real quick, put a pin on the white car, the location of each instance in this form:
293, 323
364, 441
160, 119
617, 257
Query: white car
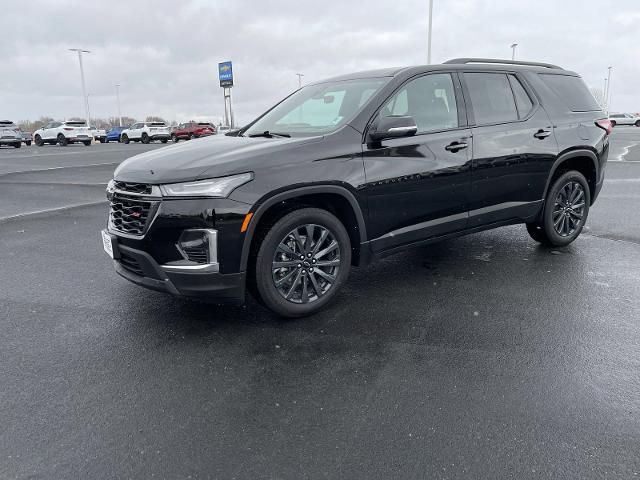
624, 119
63, 133
98, 134
10, 134
146, 132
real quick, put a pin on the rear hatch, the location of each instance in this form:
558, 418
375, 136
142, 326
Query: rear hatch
158, 127
76, 129
8, 130
205, 128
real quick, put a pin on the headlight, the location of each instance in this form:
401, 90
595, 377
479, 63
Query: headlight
215, 187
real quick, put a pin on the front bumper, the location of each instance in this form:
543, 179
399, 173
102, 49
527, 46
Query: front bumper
140, 268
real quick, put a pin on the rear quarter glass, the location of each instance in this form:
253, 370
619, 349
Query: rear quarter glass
571, 91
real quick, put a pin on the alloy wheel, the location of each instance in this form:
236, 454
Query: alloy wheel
569, 209
306, 264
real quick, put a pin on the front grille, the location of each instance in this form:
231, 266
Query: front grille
131, 214
131, 264
139, 188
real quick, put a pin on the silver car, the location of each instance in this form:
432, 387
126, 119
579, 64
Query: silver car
624, 119
10, 134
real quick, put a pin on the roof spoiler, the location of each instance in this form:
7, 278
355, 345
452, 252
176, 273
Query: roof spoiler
459, 61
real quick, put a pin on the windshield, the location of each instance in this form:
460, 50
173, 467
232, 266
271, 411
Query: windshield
317, 109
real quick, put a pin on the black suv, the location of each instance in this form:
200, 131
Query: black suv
354, 168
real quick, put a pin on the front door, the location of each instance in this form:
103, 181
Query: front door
418, 187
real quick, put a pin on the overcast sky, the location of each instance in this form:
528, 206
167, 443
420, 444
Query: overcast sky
164, 53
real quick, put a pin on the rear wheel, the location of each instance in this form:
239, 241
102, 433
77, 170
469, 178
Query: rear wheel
17, 145
302, 262
637, 123
62, 140
613, 123
145, 138
163, 140
103, 140
38, 140
125, 138
565, 211
87, 143
192, 136
28, 143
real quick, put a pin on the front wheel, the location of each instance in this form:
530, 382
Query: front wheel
637, 123
39, 141
566, 208
164, 140
17, 145
102, 140
302, 262
28, 143
192, 136
174, 138
125, 139
87, 143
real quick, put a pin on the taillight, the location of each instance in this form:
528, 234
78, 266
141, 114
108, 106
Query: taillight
605, 124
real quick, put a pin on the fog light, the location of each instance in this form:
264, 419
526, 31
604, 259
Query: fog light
199, 246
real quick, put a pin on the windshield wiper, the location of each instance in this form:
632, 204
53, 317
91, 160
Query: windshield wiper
268, 134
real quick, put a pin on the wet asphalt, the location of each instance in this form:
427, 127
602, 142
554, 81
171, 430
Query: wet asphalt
481, 357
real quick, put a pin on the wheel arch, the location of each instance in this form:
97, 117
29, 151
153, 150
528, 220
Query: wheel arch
583, 160
310, 196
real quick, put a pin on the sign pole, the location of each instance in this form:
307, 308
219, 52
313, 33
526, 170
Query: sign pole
225, 75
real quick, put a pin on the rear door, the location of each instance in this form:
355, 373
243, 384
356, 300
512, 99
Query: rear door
418, 187
513, 147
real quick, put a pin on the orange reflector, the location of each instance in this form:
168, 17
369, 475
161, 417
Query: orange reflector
245, 224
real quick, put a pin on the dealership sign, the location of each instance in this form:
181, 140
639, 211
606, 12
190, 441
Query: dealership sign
225, 73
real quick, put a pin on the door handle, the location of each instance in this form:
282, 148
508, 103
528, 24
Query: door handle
455, 146
542, 134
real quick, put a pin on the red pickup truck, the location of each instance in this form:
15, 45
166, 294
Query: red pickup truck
191, 130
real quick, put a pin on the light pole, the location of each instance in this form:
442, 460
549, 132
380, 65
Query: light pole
608, 96
604, 95
429, 32
84, 89
513, 51
300, 75
118, 100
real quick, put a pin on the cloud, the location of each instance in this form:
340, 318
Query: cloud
165, 53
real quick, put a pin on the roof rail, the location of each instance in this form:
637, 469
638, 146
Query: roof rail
502, 62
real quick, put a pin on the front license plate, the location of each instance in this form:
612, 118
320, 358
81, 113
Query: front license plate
106, 244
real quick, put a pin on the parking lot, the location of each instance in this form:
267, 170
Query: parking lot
486, 356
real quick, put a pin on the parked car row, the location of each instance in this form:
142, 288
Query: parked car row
64, 133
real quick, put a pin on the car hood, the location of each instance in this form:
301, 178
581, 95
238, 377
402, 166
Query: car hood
208, 157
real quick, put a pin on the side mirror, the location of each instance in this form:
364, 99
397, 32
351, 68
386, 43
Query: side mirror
394, 126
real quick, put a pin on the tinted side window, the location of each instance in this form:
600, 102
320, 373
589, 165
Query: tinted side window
572, 91
430, 100
523, 101
491, 97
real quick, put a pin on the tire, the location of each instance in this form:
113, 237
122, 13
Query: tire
38, 140
145, 138
28, 143
103, 140
566, 209
17, 145
321, 289
62, 140
192, 136
125, 139
87, 143
637, 124
613, 123
174, 138
164, 140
